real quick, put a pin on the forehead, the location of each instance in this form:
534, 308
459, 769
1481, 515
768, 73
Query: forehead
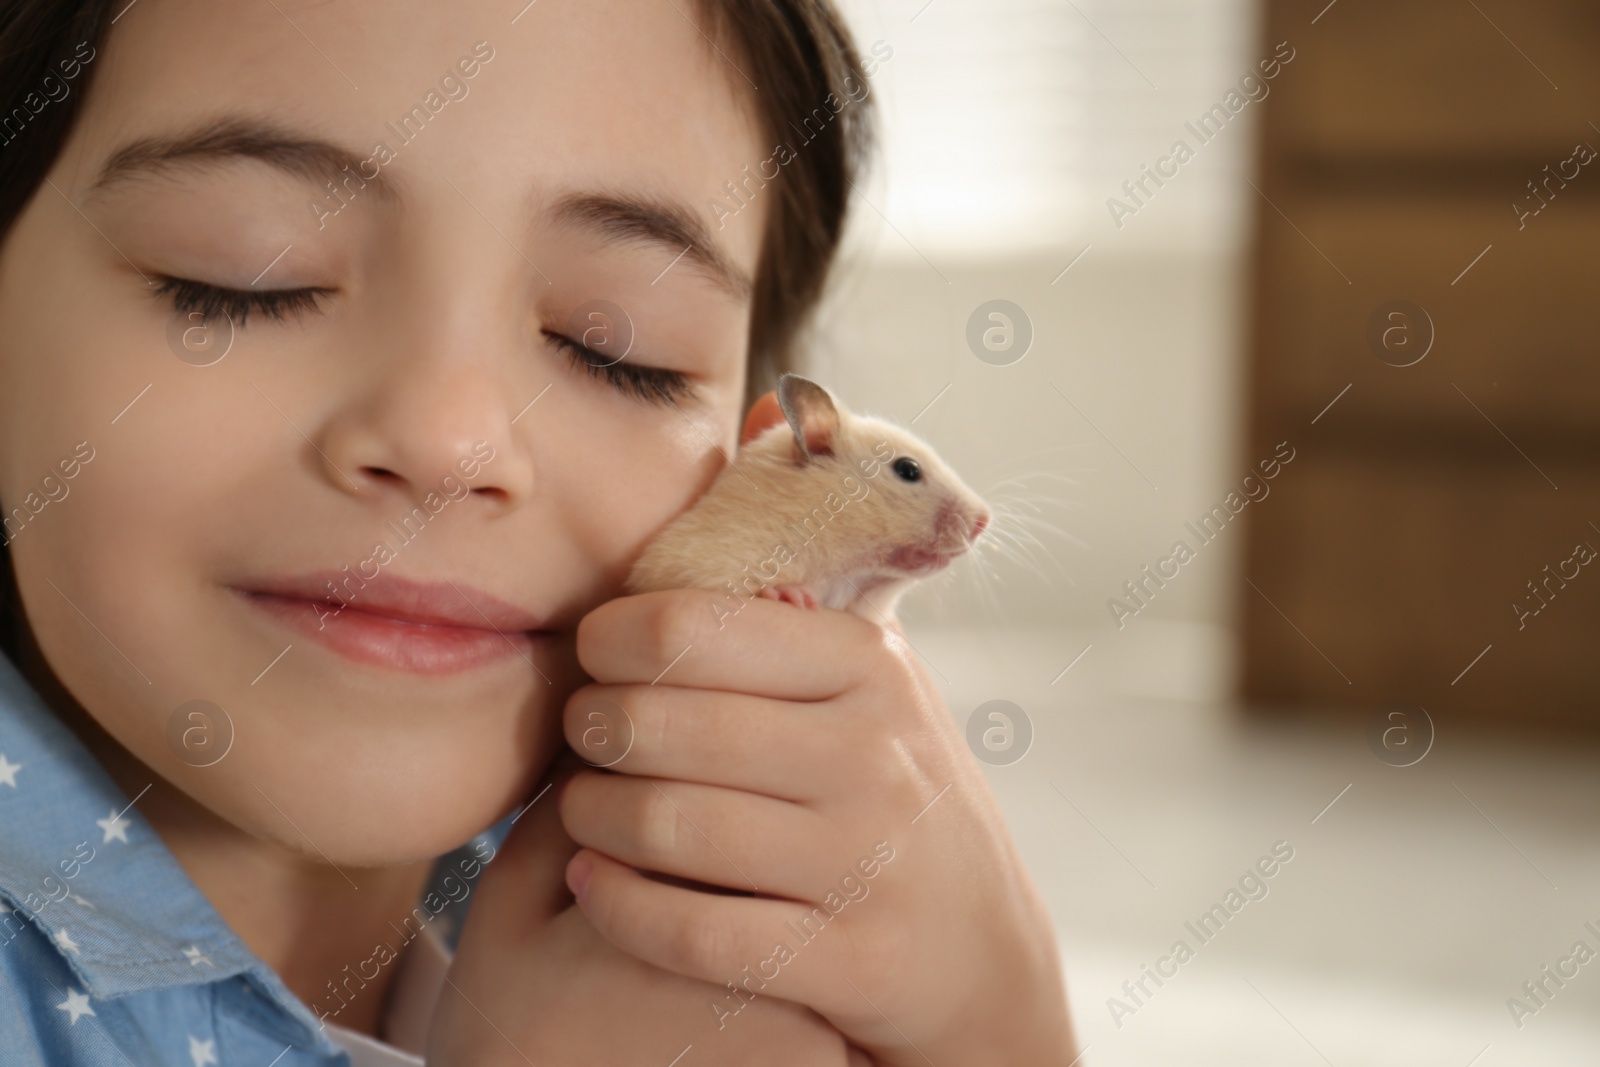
606, 94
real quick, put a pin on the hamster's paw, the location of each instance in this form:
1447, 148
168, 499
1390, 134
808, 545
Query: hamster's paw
798, 595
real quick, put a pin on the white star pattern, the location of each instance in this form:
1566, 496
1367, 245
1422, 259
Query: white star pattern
64, 939
8, 771
202, 1052
196, 957
115, 826
75, 1005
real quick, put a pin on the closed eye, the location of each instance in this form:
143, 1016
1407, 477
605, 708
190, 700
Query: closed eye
653, 385
212, 302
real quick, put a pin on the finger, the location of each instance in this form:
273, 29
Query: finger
718, 938
764, 412
685, 637
718, 836
770, 747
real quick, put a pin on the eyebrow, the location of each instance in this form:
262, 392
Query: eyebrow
655, 221
232, 139
616, 217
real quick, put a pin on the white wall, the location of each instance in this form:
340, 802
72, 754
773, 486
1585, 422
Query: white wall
1007, 125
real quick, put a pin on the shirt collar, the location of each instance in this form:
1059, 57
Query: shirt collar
84, 866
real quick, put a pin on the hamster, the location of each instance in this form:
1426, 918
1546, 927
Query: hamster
826, 509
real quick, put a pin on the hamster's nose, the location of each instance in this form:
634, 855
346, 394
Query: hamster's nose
978, 527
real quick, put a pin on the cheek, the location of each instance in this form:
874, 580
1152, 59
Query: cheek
636, 470
72, 359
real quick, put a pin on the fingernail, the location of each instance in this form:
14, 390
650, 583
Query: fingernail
578, 872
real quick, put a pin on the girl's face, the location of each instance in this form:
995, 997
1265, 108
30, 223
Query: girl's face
420, 208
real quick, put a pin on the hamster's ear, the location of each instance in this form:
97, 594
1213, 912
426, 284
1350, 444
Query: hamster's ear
764, 412
811, 414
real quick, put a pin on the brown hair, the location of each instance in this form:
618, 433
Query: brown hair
800, 56
797, 54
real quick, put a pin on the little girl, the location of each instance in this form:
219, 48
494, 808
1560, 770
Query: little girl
349, 354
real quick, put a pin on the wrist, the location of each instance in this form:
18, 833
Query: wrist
1032, 1033
1015, 1014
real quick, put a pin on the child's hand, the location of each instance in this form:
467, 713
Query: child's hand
532, 982
805, 756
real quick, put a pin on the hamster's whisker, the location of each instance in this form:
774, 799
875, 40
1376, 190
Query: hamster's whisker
1021, 501
1032, 500
1021, 492
1011, 554
983, 578
987, 578
1010, 507
1013, 548
1017, 522
1021, 481
1013, 461
1015, 539
1026, 527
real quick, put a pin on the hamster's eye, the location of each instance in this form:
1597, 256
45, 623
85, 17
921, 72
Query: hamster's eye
908, 469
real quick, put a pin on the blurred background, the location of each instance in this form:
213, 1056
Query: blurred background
1342, 346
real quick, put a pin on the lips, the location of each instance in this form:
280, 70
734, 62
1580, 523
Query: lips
419, 627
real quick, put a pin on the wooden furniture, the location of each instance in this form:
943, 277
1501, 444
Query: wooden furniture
1428, 152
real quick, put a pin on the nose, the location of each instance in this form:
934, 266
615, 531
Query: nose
978, 527
432, 428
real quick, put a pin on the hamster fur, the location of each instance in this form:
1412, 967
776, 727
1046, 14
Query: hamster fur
827, 509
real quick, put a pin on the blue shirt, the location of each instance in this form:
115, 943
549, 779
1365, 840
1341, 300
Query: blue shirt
109, 954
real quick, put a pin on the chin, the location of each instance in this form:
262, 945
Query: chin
370, 817
365, 793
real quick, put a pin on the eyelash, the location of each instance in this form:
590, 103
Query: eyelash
213, 301
652, 385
